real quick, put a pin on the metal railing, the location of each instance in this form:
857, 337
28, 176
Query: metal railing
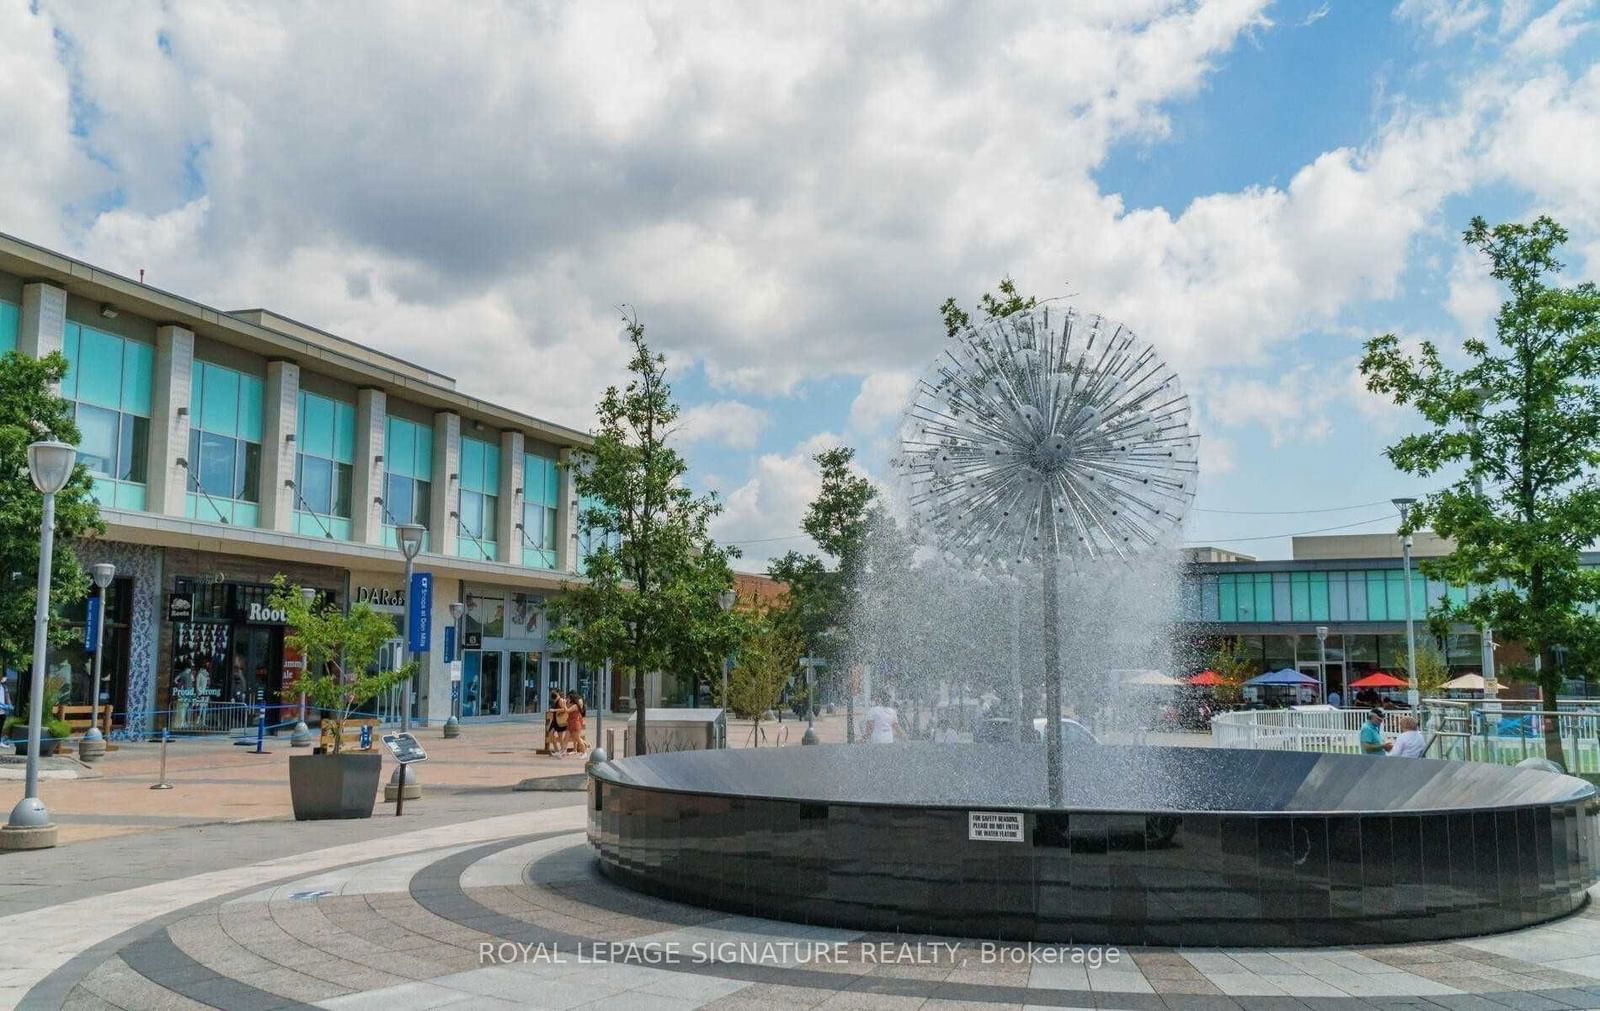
1502, 733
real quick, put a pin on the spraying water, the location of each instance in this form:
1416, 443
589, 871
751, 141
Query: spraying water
1047, 462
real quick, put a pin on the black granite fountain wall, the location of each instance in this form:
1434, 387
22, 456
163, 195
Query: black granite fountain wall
1159, 846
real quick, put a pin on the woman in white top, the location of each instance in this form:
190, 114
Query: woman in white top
882, 720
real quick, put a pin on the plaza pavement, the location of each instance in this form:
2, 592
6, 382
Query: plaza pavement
481, 897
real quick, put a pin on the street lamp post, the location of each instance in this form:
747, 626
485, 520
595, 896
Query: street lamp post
409, 537
300, 736
452, 725
726, 600
92, 746
1322, 667
50, 465
1412, 695
1491, 686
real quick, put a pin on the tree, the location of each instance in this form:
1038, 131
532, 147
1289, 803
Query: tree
769, 655
1522, 416
30, 411
1231, 663
650, 599
990, 306
332, 643
1433, 670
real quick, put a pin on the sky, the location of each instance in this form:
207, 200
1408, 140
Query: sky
785, 193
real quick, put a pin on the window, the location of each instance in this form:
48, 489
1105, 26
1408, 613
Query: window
10, 318
407, 475
324, 468
109, 382
590, 540
541, 492
224, 445
480, 503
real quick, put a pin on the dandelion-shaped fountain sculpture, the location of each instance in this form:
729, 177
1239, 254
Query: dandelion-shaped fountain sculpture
1048, 435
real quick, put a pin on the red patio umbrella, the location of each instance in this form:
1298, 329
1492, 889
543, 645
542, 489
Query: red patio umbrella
1208, 679
1378, 680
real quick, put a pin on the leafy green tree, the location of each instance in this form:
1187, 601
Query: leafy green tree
990, 306
769, 655
1235, 666
650, 600
30, 410
334, 643
1523, 417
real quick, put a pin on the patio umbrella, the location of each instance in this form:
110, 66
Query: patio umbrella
1287, 676
1378, 680
1469, 683
1208, 679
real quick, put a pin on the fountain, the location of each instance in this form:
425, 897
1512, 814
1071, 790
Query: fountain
1052, 450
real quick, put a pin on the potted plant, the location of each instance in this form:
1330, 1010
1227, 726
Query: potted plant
337, 784
52, 731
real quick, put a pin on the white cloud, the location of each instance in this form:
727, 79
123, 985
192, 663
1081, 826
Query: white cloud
730, 422
1445, 19
1291, 406
763, 515
1553, 31
1474, 296
883, 398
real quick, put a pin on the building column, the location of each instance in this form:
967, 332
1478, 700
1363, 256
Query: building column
444, 500
508, 523
43, 324
170, 409
372, 412
566, 517
279, 424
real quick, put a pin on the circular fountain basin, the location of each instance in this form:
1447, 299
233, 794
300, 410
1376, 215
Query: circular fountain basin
1157, 846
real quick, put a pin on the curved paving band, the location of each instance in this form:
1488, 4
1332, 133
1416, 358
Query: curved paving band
1305, 850
413, 931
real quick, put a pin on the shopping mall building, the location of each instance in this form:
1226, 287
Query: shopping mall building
1354, 586
228, 448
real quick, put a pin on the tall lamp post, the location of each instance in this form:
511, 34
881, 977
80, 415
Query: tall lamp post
452, 725
1322, 653
409, 537
92, 747
1412, 695
30, 828
1491, 686
726, 600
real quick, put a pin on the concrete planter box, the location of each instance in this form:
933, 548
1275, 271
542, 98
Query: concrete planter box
334, 786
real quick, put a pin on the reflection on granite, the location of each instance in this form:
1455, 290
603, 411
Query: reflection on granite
1344, 850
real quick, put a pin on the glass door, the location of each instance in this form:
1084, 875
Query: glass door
563, 676
490, 690
524, 683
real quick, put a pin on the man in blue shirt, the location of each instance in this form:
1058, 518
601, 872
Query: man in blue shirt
1372, 742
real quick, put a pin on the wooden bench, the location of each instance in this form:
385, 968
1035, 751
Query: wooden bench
77, 717
350, 738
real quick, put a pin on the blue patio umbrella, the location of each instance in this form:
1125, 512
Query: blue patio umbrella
1287, 676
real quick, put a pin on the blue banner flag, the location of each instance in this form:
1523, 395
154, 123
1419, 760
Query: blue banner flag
419, 611
449, 643
92, 626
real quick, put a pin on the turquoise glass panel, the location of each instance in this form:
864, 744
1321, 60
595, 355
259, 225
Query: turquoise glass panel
422, 463
197, 382
552, 485
219, 400
400, 447
246, 514
104, 492
1419, 600
316, 426
1227, 602
1319, 596
100, 369
1263, 608
491, 468
1377, 599
1300, 596
532, 478
1396, 586
472, 465
69, 348
130, 495
138, 377
10, 317
252, 392
344, 432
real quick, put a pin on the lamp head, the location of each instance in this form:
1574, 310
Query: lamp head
102, 573
726, 598
1322, 633
457, 609
409, 535
308, 594
50, 465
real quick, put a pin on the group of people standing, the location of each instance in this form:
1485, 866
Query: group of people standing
563, 724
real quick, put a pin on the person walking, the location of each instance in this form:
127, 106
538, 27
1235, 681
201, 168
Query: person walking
1410, 743
552, 740
560, 714
575, 713
882, 721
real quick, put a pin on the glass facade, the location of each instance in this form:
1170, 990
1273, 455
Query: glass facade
1351, 595
407, 476
590, 540
109, 379
10, 320
325, 467
480, 502
541, 492
224, 445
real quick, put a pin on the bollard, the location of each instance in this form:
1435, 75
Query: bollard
161, 780
261, 730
